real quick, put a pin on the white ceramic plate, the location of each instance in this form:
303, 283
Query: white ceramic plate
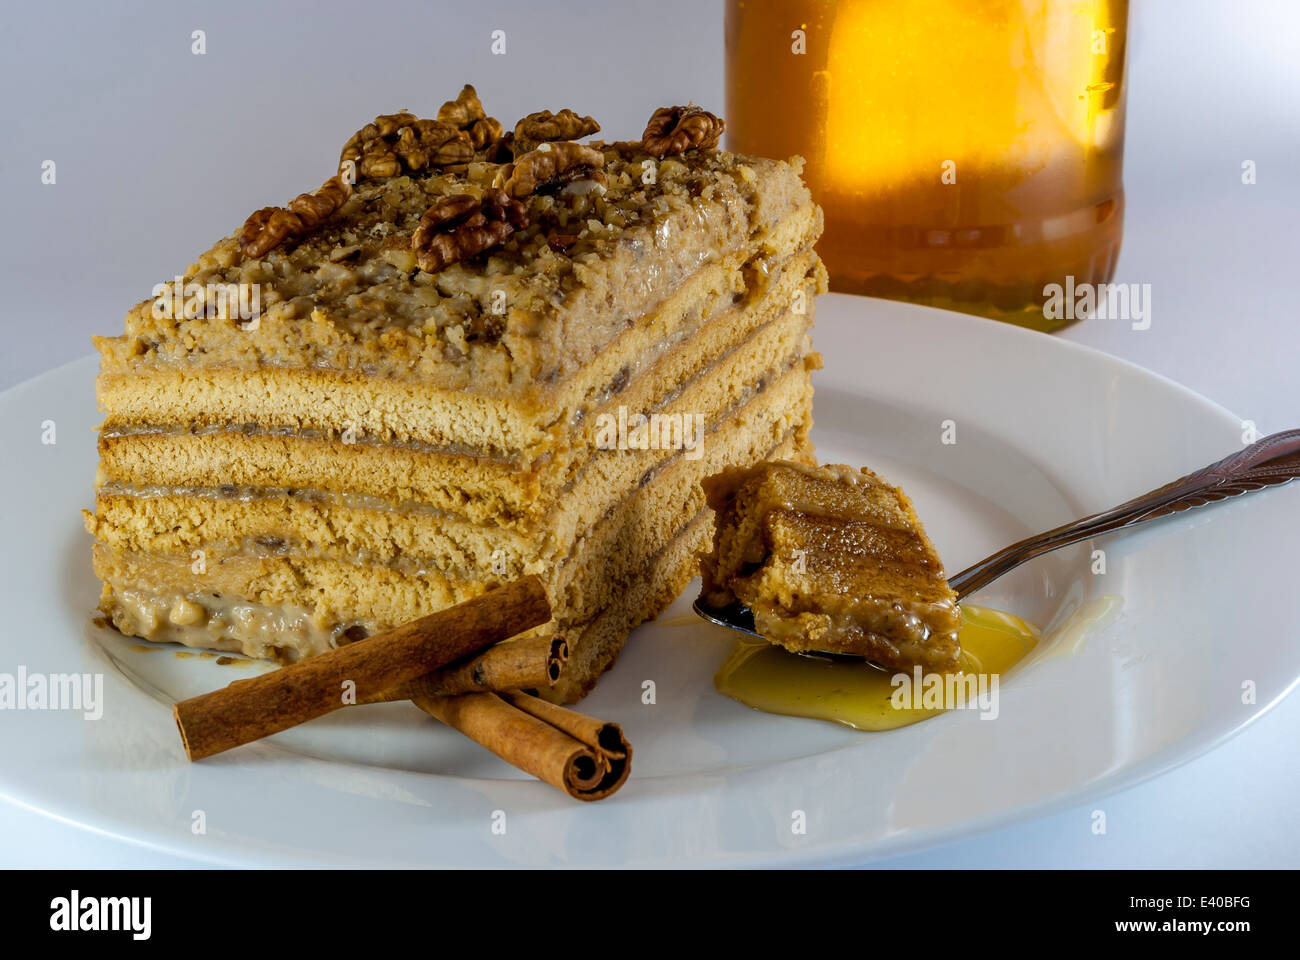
1046, 431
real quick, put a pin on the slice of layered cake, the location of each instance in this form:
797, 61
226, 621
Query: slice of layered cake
472, 354
830, 559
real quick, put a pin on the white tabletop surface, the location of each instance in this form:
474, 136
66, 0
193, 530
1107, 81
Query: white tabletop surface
158, 150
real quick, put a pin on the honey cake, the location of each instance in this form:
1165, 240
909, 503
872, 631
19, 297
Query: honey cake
478, 353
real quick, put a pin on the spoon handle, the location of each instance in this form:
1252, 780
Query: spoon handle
1273, 460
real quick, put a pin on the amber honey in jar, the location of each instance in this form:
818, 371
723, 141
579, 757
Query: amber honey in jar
967, 153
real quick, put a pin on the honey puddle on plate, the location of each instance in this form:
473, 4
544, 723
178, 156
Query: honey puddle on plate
856, 694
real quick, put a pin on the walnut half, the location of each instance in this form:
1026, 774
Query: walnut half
459, 226
673, 130
546, 127
549, 165
466, 113
401, 142
270, 226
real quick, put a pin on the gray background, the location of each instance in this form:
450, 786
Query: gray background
159, 152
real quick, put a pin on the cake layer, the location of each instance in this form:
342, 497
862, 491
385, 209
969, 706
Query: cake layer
527, 315
148, 604
309, 523
461, 424
131, 516
594, 647
600, 566
474, 488
605, 560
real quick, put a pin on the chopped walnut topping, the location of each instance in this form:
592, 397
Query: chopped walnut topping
460, 226
466, 113
550, 165
678, 129
587, 231
268, 227
545, 127
402, 142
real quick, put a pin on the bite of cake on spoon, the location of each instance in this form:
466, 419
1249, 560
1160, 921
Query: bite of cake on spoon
830, 559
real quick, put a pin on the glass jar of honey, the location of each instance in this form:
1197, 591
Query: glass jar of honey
967, 153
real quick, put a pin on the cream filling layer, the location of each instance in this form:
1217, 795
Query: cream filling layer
285, 633
217, 622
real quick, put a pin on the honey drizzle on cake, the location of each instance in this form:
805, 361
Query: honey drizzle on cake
859, 694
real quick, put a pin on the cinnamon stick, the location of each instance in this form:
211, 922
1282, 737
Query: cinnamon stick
533, 663
606, 737
584, 757
248, 710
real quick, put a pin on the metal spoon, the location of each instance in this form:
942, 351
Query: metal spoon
1268, 462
